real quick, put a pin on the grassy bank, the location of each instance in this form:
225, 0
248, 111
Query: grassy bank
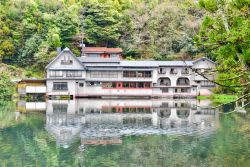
218, 98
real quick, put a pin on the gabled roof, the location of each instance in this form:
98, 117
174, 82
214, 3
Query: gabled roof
101, 50
203, 58
64, 50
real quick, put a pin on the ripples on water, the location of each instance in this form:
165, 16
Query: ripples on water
91, 132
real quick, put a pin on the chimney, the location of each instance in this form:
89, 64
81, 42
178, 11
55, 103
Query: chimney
58, 50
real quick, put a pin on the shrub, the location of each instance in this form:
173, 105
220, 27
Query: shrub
7, 88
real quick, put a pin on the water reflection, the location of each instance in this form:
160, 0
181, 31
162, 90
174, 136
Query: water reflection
105, 121
122, 133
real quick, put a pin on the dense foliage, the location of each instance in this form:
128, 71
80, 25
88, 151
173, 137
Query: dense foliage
7, 88
31, 30
225, 35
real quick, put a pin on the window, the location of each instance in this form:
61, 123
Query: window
60, 86
132, 85
93, 83
104, 55
144, 74
182, 81
73, 73
147, 85
207, 83
66, 60
164, 81
129, 74
81, 84
56, 74
103, 74
140, 85
162, 70
197, 70
109, 85
125, 84
173, 71
139, 74
184, 71
184, 90
181, 90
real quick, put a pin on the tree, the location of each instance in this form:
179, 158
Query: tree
53, 37
7, 88
101, 23
6, 43
27, 52
161, 28
44, 56
225, 33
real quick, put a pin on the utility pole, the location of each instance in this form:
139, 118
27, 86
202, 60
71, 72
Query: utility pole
82, 45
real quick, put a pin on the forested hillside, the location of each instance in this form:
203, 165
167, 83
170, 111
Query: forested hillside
30, 30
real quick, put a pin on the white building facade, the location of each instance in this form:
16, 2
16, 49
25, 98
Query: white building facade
102, 73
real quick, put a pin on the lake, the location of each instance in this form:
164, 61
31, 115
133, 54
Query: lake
123, 133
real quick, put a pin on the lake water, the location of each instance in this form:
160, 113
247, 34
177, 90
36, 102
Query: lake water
122, 133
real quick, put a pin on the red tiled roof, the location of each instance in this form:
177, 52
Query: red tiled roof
101, 49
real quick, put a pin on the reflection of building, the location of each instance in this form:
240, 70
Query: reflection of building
102, 72
24, 106
100, 121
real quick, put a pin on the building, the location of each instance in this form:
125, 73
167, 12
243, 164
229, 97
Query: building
31, 87
102, 72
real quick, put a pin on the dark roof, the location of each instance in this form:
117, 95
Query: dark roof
155, 63
101, 50
98, 60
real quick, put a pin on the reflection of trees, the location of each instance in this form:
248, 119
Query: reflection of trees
232, 147
7, 116
228, 147
26, 143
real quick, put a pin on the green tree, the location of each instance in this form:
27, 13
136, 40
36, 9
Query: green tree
101, 23
53, 37
225, 34
7, 88
6, 43
27, 52
44, 56
161, 28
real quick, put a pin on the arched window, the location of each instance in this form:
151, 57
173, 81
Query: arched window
164, 81
183, 81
